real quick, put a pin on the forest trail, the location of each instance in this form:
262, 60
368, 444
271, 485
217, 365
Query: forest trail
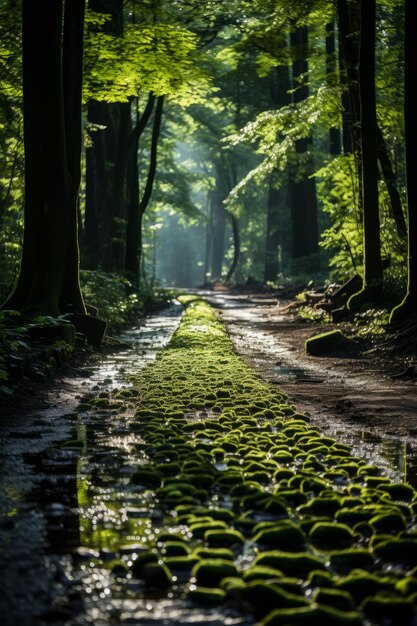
353, 398
128, 470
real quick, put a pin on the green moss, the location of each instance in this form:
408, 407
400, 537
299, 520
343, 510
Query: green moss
175, 548
181, 563
210, 572
259, 438
261, 572
156, 575
206, 596
266, 596
223, 538
329, 535
313, 615
388, 522
118, 567
388, 610
320, 578
399, 491
147, 477
407, 585
141, 561
397, 550
324, 505
214, 553
362, 584
286, 536
199, 528
345, 560
334, 597
298, 564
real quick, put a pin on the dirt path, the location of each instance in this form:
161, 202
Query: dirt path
342, 394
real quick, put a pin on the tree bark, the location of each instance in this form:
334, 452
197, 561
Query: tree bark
236, 247
335, 144
48, 279
408, 306
134, 218
391, 183
277, 198
304, 223
373, 273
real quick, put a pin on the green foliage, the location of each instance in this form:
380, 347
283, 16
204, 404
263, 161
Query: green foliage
338, 192
158, 57
276, 131
113, 297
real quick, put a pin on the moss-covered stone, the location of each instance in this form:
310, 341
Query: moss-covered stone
261, 572
313, 615
334, 597
388, 522
118, 567
292, 564
331, 535
266, 596
223, 538
143, 558
156, 575
321, 505
198, 529
345, 560
397, 550
181, 563
362, 584
210, 572
285, 536
388, 610
147, 477
175, 548
407, 585
206, 596
326, 343
214, 553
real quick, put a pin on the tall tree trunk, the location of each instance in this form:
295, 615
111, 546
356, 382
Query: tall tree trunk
391, 183
236, 247
134, 232
305, 234
134, 218
331, 70
273, 235
96, 186
371, 224
117, 199
348, 15
50, 253
277, 198
409, 305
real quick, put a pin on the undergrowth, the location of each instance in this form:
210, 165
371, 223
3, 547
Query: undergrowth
261, 512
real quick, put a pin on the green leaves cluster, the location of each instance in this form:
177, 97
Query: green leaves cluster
162, 58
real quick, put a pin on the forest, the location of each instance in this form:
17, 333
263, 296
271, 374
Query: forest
221, 142
208, 313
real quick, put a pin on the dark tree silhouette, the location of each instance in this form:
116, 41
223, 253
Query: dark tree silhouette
305, 235
409, 305
372, 278
48, 282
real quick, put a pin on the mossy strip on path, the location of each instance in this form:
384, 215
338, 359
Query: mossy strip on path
267, 507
